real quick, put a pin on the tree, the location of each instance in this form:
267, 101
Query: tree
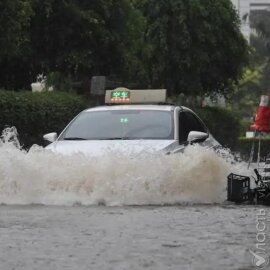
256, 78
195, 46
260, 22
82, 38
189, 46
15, 20
77, 38
14, 24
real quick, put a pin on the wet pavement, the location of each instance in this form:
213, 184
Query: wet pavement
129, 237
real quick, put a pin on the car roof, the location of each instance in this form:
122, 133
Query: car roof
132, 107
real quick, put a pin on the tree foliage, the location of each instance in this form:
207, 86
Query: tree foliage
256, 78
184, 45
80, 37
260, 21
196, 46
14, 22
15, 18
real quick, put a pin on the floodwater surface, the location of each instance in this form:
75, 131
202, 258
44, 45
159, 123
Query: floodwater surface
145, 237
152, 211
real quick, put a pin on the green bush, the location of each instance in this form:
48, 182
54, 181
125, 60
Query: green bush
245, 144
34, 114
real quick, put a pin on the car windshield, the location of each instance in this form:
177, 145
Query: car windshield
121, 125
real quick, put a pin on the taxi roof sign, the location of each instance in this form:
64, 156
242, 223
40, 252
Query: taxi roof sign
123, 95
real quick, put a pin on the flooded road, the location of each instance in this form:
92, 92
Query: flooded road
75, 212
145, 237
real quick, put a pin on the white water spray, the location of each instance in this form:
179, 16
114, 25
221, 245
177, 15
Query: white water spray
43, 177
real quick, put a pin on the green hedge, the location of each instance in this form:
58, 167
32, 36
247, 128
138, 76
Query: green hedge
245, 144
223, 125
34, 114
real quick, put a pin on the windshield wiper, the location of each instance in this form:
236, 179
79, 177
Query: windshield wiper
74, 139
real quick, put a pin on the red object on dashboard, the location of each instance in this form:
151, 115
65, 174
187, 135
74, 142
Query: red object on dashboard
262, 121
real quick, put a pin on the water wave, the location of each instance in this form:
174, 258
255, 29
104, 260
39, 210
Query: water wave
40, 176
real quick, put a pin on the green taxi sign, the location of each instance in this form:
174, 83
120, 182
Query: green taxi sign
142, 96
120, 96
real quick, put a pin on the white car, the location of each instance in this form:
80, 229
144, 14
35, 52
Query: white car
133, 121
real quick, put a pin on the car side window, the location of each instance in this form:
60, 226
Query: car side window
189, 122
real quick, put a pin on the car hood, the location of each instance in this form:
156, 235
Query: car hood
99, 147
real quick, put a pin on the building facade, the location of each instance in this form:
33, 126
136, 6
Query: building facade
244, 8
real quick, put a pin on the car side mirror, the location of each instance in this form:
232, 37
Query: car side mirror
51, 137
197, 136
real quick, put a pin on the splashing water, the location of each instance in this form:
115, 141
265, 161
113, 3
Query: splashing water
43, 177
